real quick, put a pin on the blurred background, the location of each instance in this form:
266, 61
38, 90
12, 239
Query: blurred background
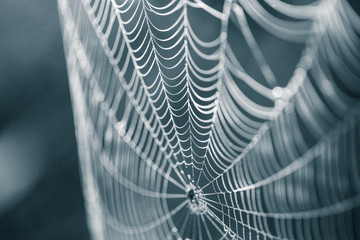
40, 189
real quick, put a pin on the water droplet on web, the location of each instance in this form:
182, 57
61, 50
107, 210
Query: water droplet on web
277, 92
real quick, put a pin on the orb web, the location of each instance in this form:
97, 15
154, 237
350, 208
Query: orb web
216, 119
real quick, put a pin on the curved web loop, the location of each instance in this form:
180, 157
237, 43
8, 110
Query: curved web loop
216, 119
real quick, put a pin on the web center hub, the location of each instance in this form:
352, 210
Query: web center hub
196, 201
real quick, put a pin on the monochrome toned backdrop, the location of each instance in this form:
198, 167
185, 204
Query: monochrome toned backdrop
40, 191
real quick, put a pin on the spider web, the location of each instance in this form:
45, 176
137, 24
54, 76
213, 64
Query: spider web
217, 119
